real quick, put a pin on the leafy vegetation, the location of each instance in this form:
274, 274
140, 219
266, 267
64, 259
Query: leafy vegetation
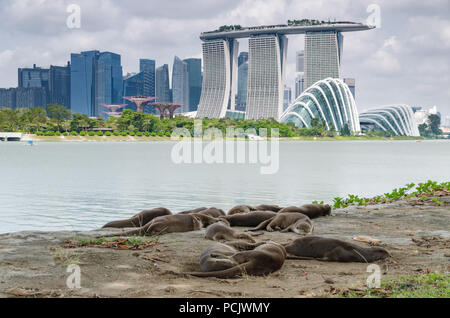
429, 285
431, 127
422, 191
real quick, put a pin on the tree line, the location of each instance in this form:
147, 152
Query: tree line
57, 119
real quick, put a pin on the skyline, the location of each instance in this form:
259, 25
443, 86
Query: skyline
404, 60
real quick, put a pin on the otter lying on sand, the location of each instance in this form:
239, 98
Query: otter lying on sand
222, 232
214, 212
172, 223
248, 219
285, 222
328, 249
139, 219
313, 211
220, 261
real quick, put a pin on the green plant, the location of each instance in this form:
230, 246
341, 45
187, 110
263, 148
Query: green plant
82, 133
99, 133
73, 133
91, 133
108, 133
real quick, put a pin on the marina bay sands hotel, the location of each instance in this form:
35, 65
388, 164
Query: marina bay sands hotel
266, 64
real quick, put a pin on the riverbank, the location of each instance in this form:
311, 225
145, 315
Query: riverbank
36, 138
34, 264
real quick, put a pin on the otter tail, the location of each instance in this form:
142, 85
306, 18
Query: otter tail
261, 225
226, 273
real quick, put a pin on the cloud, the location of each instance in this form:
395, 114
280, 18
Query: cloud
406, 60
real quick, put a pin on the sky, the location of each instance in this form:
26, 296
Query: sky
405, 60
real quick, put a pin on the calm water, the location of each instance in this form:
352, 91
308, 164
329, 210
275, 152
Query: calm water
79, 186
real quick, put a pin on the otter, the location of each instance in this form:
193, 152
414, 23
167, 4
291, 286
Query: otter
213, 212
172, 223
332, 250
240, 209
313, 211
265, 207
248, 219
263, 260
286, 222
139, 219
193, 211
221, 232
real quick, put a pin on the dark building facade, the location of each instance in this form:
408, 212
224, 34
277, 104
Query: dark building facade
59, 85
8, 97
242, 58
148, 67
34, 77
95, 78
194, 68
30, 97
163, 84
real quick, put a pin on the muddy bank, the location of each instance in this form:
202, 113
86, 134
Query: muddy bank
34, 264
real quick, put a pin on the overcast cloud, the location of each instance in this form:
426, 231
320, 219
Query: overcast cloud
407, 60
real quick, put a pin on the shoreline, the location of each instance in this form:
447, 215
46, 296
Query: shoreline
35, 138
34, 264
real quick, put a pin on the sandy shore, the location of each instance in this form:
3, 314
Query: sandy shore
34, 264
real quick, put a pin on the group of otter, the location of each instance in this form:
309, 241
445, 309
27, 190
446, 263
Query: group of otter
239, 253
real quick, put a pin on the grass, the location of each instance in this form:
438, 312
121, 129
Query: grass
430, 285
65, 257
130, 241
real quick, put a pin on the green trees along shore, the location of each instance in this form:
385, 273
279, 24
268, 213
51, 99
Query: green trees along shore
57, 120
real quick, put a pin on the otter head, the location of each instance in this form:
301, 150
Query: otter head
224, 222
303, 226
379, 253
327, 209
206, 219
279, 246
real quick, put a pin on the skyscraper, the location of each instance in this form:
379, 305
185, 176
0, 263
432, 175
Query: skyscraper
163, 84
220, 71
96, 78
323, 51
109, 85
194, 69
300, 61
8, 97
30, 97
82, 82
148, 67
241, 99
267, 60
351, 84
242, 58
180, 84
299, 84
287, 97
59, 85
34, 77
133, 84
